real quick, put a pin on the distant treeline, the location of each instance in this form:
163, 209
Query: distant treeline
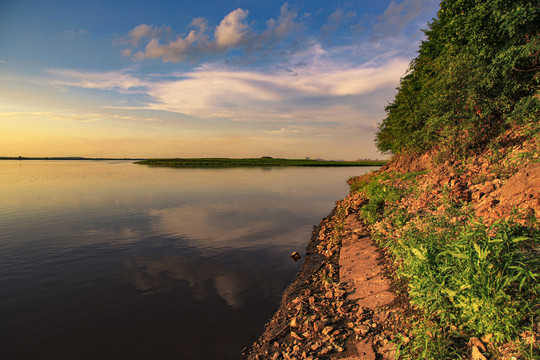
476, 74
252, 162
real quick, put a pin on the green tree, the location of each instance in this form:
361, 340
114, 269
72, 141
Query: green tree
476, 72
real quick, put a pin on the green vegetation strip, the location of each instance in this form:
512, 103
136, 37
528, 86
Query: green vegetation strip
251, 162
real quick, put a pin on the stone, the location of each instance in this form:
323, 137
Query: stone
296, 336
487, 338
476, 354
327, 330
488, 187
475, 342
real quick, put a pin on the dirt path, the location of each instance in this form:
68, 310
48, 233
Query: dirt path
362, 271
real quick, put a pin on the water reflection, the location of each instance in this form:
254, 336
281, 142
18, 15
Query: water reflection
112, 260
233, 224
203, 276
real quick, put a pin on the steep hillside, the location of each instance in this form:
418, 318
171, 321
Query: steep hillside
464, 237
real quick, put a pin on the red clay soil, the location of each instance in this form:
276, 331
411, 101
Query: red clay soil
520, 192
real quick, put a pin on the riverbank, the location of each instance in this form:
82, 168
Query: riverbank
455, 249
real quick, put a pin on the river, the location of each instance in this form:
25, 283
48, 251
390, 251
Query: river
112, 260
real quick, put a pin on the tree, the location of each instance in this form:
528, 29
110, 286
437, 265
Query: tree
476, 72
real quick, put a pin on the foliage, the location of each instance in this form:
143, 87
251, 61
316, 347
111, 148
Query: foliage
485, 283
476, 72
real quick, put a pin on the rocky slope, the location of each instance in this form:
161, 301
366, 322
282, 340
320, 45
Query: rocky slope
351, 298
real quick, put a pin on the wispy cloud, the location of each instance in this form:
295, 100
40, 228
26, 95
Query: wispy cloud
398, 15
72, 116
110, 80
337, 19
321, 94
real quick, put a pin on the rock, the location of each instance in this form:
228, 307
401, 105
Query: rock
327, 330
318, 326
361, 329
475, 342
487, 188
487, 338
476, 354
296, 256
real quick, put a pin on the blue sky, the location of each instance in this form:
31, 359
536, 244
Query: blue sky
191, 78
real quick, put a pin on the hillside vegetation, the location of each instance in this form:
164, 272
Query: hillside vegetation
457, 207
476, 74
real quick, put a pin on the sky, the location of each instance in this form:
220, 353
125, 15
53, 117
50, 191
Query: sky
215, 78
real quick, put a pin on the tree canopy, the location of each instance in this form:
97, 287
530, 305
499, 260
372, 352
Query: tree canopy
476, 72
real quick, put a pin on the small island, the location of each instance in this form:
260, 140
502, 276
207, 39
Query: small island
264, 161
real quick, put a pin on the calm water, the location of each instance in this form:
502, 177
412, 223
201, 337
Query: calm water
111, 260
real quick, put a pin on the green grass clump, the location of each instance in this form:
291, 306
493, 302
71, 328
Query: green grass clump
484, 279
381, 191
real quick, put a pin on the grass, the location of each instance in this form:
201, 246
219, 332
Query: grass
252, 162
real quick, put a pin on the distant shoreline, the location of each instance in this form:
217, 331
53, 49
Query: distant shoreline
252, 162
64, 158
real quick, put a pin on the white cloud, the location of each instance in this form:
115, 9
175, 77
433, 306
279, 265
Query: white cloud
79, 117
232, 29
232, 32
145, 31
181, 48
